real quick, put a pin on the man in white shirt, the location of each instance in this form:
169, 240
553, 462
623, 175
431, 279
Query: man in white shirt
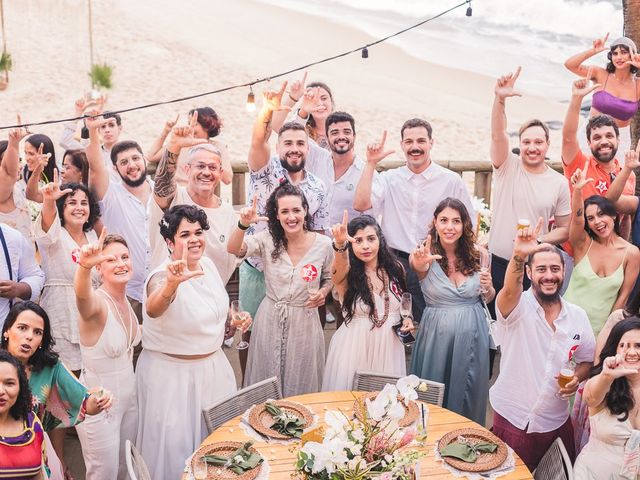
539, 332
20, 275
407, 196
525, 187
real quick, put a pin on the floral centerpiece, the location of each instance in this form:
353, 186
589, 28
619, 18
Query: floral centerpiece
374, 448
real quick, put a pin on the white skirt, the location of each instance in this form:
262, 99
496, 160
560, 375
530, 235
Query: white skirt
172, 393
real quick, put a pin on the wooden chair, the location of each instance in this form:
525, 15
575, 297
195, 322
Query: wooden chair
135, 463
236, 404
373, 382
555, 464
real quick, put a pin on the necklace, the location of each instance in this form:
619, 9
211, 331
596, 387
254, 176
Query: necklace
385, 295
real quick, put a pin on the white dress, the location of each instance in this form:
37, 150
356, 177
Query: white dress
20, 217
109, 364
359, 345
172, 392
58, 297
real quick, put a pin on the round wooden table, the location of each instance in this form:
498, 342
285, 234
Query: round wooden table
282, 460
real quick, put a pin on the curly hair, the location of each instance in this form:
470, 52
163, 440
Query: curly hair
44, 356
94, 206
619, 399
611, 68
78, 158
311, 122
286, 189
172, 218
208, 120
388, 264
468, 256
19, 410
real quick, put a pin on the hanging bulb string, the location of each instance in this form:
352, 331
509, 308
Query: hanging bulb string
361, 49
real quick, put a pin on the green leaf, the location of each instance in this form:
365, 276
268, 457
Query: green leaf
5, 61
101, 75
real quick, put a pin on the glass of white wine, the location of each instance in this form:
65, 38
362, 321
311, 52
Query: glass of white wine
200, 470
107, 415
238, 320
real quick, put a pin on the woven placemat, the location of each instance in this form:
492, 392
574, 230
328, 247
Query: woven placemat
261, 420
411, 410
215, 472
485, 461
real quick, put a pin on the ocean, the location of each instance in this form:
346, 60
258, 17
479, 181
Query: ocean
502, 34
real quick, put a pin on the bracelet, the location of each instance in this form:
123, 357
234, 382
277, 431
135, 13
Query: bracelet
242, 227
339, 249
292, 98
86, 268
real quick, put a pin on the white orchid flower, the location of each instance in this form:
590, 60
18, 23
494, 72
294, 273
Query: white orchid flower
407, 387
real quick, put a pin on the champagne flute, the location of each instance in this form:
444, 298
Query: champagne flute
200, 469
405, 311
107, 415
485, 266
238, 319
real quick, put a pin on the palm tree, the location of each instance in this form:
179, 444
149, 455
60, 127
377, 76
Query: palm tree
631, 11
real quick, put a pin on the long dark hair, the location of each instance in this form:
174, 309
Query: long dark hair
619, 399
468, 261
44, 356
35, 141
94, 206
286, 189
311, 122
19, 410
606, 207
78, 159
611, 68
357, 288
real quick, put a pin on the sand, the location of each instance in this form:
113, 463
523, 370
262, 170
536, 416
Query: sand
165, 49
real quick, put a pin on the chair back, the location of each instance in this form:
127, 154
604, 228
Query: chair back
555, 464
135, 463
374, 381
234, 405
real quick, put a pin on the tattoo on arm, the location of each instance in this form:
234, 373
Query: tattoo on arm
165, 185
267, 126
579, 212
518, 268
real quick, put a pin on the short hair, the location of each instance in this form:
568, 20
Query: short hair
172, 218
534, 122
94, 206
291, 126
607, 207
106, 115
203, 146
208, 120
415, 123
21, 408
79, 160
546, 249
337, 117
114, 238
120, 147
602, 120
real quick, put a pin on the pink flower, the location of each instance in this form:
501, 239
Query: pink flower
408, 437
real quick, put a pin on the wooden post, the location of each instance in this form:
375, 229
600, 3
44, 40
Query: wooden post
482, 186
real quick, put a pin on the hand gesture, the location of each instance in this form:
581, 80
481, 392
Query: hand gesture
95, 120
505, 85
526, 241
600, 44
422, 256
339, 231
51, 191
315, 300
272, 100
632, 158
614, 367
569, 389
635, 60
296, 90
249, 215
17, 134
376, 151
579, 178
178, 272
169, 124
311, 101
91, 253
37, 164
581, 86
183, 137
80, 106
407, 325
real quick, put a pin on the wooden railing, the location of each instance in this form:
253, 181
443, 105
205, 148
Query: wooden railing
481, 181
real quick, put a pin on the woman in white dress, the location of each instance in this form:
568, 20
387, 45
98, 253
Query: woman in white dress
108, 332
613, 395
182, 368
287, 340
369, 281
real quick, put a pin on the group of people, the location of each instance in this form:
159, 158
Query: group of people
122, 259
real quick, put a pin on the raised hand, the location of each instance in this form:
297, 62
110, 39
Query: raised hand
505, 85
51, 191
37, 164
17, 134
178, 272
376, 151
183, 137
91, 253
579, 178
526, 241
635, 60
614, 367
339, 231
95, 120
600, 44
581, 87
249, 215
272, 100
311, 100
632, 158
297, 88
169, 124
422, 256
80, 106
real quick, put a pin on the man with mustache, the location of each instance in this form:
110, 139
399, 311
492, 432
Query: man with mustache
538, 333
407, 196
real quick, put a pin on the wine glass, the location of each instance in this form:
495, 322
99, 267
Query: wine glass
405, 312
107, 415
238, 319
485, 266
200, 470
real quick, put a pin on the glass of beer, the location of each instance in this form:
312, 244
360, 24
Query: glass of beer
566, 375
523, 223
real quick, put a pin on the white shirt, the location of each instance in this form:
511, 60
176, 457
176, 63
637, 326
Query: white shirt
24, 267
407, 201
532, 354
124, 214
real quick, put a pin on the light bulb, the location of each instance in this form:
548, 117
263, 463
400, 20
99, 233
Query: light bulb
365, 53
251, 102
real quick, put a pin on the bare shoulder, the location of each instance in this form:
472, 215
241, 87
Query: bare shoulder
156, 281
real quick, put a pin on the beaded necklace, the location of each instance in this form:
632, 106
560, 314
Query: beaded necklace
385, 295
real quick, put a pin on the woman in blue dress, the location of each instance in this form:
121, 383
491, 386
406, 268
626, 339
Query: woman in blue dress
452, 343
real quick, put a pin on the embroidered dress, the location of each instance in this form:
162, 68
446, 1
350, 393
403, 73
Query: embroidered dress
23, 456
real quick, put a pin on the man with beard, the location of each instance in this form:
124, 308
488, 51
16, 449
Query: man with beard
203, 172
407, 196
123, 204
538, 332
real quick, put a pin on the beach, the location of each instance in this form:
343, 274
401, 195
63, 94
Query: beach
162, 50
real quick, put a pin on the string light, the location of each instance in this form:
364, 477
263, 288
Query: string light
469, 11
251, 97
251, 101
